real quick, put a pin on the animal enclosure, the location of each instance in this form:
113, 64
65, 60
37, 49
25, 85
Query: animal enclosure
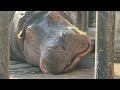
107, 24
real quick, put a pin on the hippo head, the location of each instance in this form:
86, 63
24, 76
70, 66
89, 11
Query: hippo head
55, 44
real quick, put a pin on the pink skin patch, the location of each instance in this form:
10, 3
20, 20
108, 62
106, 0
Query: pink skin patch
54, 15
42, 67
30, 33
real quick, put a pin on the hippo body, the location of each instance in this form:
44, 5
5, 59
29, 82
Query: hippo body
47, 39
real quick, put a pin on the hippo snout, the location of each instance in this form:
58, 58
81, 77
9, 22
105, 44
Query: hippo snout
62, 51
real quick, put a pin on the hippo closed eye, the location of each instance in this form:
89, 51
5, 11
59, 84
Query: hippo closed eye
48, 40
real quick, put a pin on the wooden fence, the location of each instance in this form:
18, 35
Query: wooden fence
104, 53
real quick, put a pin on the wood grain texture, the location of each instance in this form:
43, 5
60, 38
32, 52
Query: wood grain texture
104, 66
4, 45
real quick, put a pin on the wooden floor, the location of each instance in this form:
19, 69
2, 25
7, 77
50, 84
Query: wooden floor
85, 70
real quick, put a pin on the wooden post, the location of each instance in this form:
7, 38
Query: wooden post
82, 20
117, 36
4, 45
104, 51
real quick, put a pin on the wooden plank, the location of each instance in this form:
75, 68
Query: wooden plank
82, 20
78, 18
117, 36
104, 52
4, 45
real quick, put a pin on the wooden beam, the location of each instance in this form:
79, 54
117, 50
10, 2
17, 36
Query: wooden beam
4, 45
104, 51
117, 36
82, 20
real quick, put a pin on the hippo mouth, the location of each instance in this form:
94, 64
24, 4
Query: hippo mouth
77, 58
73, 62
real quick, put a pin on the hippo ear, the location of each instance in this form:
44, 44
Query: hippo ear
54, 15
21, 34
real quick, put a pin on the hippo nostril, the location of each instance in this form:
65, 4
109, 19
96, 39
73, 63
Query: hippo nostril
62, 35
49, 48
68, 63
52, 47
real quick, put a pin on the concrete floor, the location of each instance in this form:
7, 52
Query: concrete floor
85, 70
21, 70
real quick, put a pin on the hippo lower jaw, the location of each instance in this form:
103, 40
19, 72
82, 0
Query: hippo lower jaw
75, 61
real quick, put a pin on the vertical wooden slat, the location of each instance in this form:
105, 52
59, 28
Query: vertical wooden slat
4, 45
104, 51
82, 20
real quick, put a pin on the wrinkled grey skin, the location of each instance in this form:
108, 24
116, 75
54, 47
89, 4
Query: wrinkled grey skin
47, 39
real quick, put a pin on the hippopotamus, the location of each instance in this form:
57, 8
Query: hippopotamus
48, 39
